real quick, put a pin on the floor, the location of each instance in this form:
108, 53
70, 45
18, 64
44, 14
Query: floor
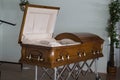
14, 72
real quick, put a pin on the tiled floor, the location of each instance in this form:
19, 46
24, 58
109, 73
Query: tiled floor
13, 72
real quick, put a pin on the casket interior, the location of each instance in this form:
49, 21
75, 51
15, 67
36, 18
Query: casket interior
38, 23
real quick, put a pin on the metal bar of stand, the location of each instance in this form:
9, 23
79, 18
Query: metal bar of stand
96, 72
60, 74
55, 73
36, 72
96, 65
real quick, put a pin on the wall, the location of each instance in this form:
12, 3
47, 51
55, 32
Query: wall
11, 49
1, 33
74, 16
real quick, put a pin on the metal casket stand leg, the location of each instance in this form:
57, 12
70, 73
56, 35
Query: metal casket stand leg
36, 72
96, 72
58, 75
55, 73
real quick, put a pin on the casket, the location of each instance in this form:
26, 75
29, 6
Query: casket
39, 47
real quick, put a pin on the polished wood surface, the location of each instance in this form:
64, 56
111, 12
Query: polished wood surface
57, 56
80, 37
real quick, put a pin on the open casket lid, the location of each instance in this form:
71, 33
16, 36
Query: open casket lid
38, 22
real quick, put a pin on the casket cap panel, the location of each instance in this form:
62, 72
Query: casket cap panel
80, 37
38, 22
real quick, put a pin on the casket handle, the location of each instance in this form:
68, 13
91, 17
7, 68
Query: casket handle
84, 54
29, 57
79, 54
96, 52
60, 59
68, 57
40, 59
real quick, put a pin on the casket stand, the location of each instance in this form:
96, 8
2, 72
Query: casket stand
39, 48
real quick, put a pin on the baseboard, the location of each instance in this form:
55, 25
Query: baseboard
10, 62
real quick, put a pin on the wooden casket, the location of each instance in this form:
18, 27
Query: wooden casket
39, 47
